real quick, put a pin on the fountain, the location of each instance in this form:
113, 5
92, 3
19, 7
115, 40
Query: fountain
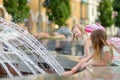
21, 52
22, 57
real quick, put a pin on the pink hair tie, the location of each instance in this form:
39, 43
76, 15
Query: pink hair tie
90, 28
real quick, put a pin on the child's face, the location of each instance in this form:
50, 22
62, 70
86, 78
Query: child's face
76, 32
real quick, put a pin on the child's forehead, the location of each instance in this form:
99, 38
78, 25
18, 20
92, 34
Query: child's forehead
75, 29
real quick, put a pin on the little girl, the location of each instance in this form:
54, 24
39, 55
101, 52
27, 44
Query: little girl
103, 53
80, 36
83, 35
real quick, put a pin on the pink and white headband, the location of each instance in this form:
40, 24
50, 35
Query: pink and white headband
90, 28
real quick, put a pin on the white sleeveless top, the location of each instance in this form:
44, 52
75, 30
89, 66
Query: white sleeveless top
116, 55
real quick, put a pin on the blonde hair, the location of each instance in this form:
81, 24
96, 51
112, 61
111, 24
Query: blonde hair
98, 39
81, 30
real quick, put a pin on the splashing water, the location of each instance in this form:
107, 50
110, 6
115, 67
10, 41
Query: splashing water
20, 44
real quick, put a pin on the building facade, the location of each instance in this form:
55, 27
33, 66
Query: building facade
35, 9
92, 11
82, 11
3, 12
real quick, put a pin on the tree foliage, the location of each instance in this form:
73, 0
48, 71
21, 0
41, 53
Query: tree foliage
18, 9
105, 8
116, 6
58, 11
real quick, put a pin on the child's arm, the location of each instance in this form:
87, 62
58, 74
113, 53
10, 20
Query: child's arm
103, 62
74, 69
87, 46
82, 61
67, 73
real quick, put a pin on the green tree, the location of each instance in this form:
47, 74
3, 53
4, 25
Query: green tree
116, 7
18, 9
105, 9
58, 11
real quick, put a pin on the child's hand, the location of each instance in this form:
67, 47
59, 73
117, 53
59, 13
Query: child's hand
67, 73
83, 66
74, 69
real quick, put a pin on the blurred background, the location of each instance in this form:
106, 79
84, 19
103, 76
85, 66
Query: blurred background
53, 19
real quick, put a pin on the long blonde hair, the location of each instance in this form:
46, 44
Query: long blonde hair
98, 39
81, 30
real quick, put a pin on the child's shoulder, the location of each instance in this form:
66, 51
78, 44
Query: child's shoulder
115, 42
106, 48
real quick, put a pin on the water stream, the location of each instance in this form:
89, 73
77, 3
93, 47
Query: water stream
17, 45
